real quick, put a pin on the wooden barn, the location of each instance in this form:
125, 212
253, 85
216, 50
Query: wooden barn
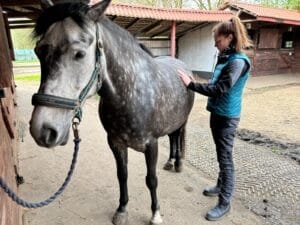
276, 36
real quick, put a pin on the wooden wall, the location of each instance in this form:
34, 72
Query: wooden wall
9, 211
268, 57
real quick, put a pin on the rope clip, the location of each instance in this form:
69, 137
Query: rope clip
75, 124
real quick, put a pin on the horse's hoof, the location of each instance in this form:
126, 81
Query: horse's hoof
168, 166
120, 218
156, 218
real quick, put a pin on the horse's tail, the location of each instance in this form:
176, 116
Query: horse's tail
182, 140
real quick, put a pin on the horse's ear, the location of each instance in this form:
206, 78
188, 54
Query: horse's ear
46, 4
97, 10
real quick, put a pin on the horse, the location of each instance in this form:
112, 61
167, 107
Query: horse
142, 98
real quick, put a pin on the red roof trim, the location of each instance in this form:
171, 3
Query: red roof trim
268, 19
188, 15
269, 14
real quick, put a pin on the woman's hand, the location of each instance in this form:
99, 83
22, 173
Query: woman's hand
184, 77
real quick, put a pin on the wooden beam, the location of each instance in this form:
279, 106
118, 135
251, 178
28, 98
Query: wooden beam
19, 2
147, 28
20, 22
33, 16
134, 21
161, 32
164, 30
199, 26
9, 38
22, 26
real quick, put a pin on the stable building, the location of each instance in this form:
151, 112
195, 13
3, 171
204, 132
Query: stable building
275, 34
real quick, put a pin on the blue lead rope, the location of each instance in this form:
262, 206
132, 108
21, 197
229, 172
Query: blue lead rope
26, 204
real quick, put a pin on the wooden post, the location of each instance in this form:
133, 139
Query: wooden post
173, 39
5, 60
9, 38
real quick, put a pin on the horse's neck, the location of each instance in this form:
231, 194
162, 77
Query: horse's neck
124, 58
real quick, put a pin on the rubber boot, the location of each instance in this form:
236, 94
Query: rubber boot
217, 212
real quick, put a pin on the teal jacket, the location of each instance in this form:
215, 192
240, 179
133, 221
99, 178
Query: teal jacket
226, 87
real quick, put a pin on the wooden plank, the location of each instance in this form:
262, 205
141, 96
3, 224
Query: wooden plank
9, 38
22, 26
8, 112
5, 62
19, 2
9, 211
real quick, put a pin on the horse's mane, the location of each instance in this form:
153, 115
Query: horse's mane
146, 49
75, 10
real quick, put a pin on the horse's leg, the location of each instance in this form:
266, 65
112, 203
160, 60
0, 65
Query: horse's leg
180, 148
151, 179
121, 157
169, 164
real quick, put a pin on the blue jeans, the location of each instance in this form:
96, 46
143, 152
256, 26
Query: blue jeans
223, 131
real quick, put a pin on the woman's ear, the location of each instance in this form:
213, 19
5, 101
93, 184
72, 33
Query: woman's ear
230, 36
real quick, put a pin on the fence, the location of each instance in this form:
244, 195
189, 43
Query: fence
25, 55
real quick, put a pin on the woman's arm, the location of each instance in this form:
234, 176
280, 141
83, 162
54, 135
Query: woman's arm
228, 78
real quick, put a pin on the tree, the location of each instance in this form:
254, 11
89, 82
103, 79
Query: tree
208, 4
211, 4
156, 3
287, 4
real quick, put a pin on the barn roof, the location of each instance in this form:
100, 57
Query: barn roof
263, 13
141, 21
188, 15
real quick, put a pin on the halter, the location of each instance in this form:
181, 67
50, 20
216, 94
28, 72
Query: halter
39, 99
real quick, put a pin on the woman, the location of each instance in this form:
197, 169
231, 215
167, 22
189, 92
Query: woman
224, 93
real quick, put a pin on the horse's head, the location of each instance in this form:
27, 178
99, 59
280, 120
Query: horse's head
71, 67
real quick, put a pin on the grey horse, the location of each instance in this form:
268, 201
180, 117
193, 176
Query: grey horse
142, 98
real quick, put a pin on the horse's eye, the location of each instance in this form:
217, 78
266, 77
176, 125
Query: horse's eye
79, 55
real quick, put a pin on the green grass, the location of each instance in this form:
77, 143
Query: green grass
29, 77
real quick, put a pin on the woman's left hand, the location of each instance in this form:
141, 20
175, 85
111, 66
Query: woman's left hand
184, 77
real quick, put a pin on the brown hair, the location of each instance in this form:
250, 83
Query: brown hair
235, 27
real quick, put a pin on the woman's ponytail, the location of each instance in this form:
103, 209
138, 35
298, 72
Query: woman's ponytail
240, 34
235, 27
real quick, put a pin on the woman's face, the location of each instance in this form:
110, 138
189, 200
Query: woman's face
222, 41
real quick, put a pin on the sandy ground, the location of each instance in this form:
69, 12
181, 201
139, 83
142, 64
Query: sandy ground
92, 196
271, 108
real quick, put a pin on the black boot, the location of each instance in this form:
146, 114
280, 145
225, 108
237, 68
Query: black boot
211, 191
216, 213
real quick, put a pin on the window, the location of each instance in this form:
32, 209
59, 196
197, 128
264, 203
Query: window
251, 34
287, 40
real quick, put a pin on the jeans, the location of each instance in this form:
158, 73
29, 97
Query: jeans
223, 131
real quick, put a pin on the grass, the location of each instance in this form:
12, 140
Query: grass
28, 77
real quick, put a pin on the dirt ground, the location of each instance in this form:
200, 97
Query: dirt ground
92, 195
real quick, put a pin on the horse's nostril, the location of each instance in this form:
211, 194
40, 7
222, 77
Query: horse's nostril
50, 136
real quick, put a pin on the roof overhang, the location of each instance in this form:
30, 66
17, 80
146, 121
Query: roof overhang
141, 21
266, 14
274, 20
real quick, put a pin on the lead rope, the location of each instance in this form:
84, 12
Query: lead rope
26, 204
